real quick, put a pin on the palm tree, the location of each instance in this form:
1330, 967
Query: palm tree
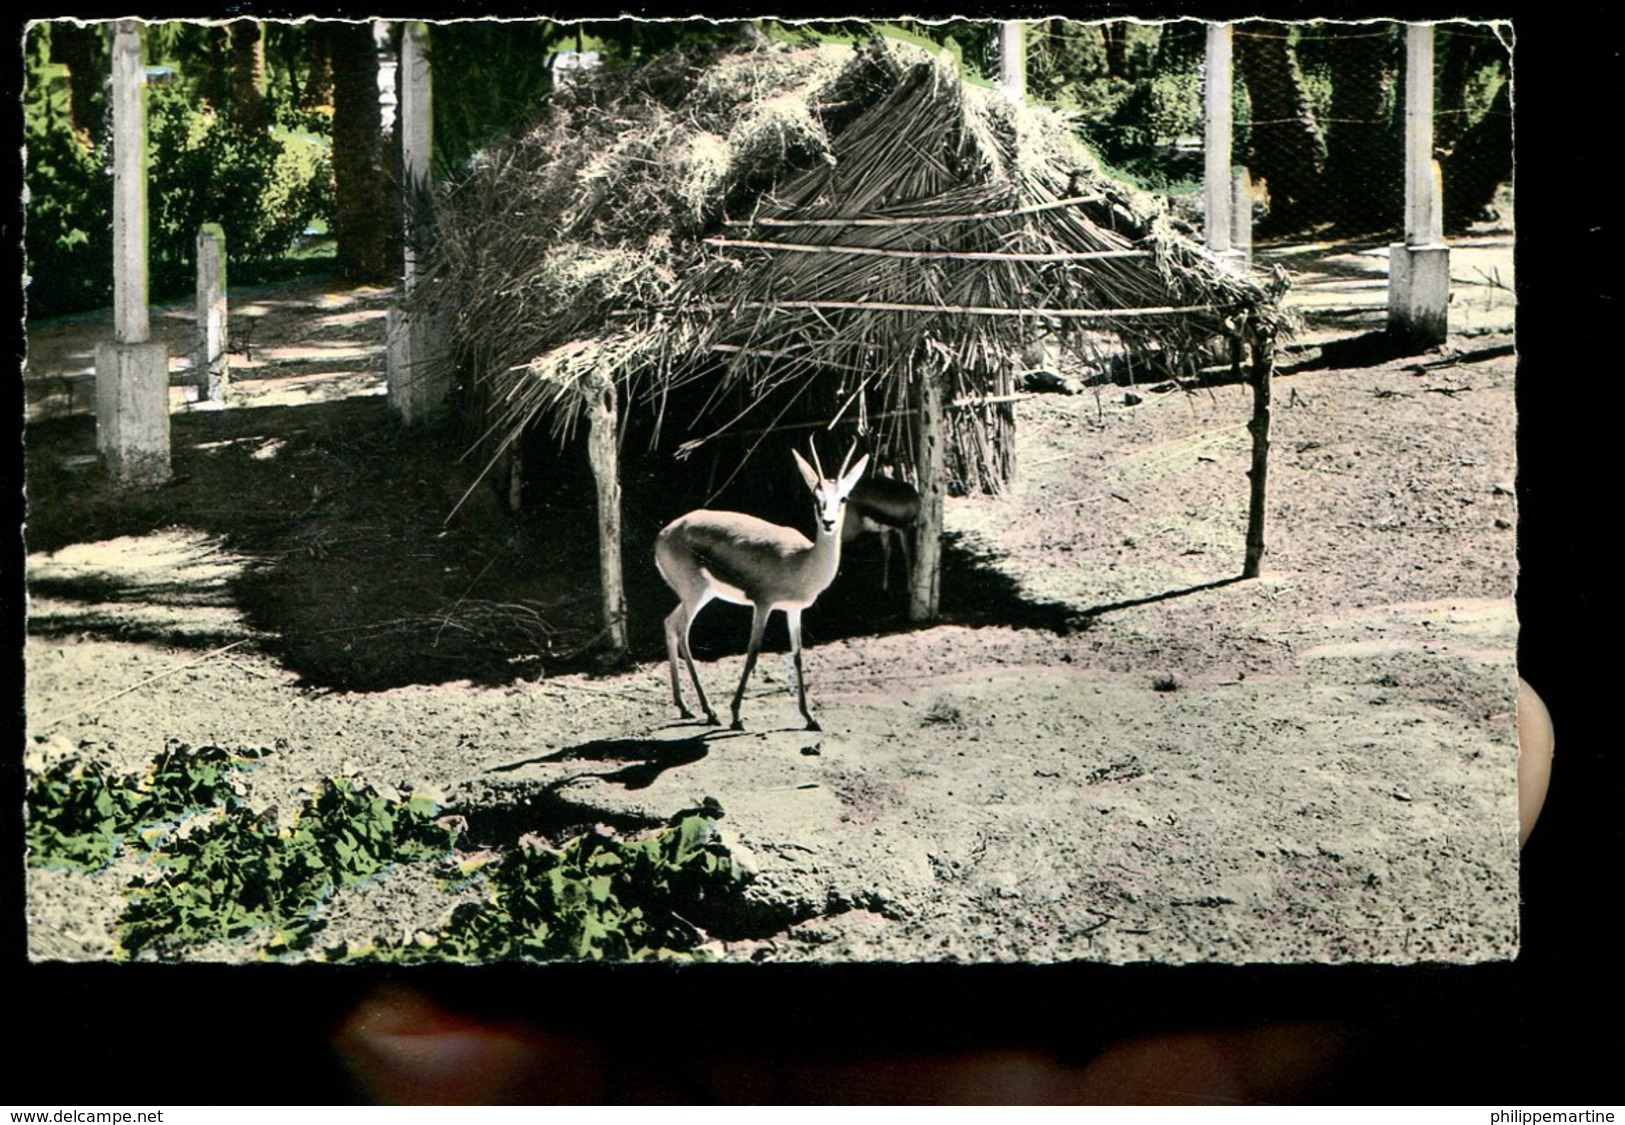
1365, 158
364, 213
247, 76
1287, 149
82, 48
1480, 163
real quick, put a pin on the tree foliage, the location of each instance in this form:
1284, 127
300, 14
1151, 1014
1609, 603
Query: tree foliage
270, 128
208, 160
1318, 110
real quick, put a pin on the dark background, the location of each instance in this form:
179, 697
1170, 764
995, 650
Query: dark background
1541, 1030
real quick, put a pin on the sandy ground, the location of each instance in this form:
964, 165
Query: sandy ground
1161, 765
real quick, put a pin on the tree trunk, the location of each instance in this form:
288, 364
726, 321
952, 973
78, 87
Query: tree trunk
1455, 55
1287, 149
83, 50
363, 200
1480, 163
247, 76
1365, 156
318, 87
1115, 34
216, 80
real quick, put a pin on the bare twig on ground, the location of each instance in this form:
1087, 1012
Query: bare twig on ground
138, 686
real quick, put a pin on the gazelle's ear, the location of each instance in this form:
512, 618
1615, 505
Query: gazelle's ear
850, 481
813, 480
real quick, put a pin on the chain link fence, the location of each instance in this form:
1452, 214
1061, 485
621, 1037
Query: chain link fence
1318, 112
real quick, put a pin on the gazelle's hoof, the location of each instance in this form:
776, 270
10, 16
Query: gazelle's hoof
736, 725
812, 724
711, 720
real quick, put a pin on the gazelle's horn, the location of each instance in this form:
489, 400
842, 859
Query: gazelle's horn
847, 461
812, 444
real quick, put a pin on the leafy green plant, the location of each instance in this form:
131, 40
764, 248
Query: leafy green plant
69, 233
597, 897
243, 872
241, 875
80, 812
77, 816
262, 186
183, 780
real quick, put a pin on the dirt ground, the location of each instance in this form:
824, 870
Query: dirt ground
1108, 750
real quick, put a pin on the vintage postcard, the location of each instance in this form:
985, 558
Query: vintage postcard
770, 491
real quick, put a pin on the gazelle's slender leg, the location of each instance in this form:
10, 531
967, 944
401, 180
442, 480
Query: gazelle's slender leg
690, 612
794, 619
758, 623
676, 622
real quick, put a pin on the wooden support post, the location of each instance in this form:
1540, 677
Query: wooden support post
210, 371
1419, 268
930, 437
514, 492
1263, 371
132, 374
1217, 120
603, 454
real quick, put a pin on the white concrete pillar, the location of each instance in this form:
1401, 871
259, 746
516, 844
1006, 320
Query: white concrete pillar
1241, 217
1424, 224
132, 374
129, 186
1419, 268
418, 374
209, 364
1217, 119
1013, 61
416, 123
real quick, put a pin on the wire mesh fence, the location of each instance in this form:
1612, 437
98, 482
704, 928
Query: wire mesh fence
1318, 112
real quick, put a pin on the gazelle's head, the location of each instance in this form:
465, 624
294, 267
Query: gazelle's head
829, 494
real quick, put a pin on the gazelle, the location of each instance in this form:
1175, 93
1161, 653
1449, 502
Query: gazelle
883, 506
748, 561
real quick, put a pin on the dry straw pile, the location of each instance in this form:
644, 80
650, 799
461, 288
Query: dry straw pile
778, 239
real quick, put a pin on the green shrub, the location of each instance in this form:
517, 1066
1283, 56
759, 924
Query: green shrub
77, 816
262, 187
243, 872
597, 897
68, 237
79, 813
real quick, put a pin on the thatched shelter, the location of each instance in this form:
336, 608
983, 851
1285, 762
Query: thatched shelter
779, 240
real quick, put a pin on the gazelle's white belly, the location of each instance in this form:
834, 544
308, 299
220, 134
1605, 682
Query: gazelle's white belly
724, 590
728, 592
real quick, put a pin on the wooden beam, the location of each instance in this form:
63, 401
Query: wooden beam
1218, 123
130, 322
927, 255
967, 310
907, 220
